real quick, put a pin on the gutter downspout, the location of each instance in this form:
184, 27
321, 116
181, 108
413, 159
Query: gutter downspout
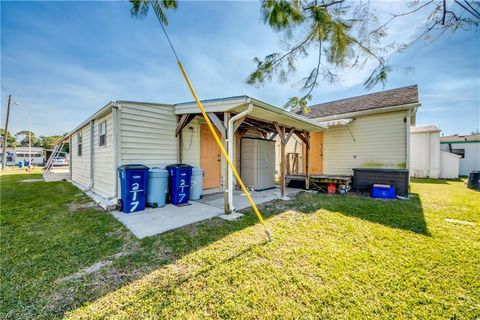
230, 135
407, 130
92, 147
115, 139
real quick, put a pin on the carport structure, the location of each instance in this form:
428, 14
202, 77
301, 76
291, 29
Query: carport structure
234, 117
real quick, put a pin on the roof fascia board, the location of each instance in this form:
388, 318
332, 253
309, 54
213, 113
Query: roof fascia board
411, 106
210, 106
96, 115
286, 113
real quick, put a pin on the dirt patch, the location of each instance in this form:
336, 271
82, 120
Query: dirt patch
76, 206
463, 222
31, 180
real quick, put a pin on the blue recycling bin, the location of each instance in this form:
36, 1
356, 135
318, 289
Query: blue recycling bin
20, 164
157, 187
180, 176
133, 181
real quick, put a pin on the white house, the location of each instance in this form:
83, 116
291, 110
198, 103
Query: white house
17, 154
156, 135
426, 158
467, 147
371, 130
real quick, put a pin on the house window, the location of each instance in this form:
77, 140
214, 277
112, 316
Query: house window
102, 129
79, 143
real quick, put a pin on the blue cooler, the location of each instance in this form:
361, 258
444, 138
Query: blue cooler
180, 177
196, 185
157, 187
133, 180
382, 191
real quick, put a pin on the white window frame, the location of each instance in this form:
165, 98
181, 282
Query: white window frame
79, 144
102, 142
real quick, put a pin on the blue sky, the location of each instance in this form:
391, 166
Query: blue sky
62, 61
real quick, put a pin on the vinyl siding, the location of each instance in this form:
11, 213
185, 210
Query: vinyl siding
147, 135
103, 159
380, 142
191, 143
81, 164
471, 161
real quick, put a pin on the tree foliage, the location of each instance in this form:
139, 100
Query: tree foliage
23, 139
343, 34
11, 141
140, 8
346, 34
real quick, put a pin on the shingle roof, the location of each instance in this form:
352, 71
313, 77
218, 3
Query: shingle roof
429, 128
377, 100
459, 138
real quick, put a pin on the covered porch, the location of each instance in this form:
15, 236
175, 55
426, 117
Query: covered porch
236, 118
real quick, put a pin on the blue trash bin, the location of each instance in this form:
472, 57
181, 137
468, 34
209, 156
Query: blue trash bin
20, 164
133, 181
157, 187
196, 184
180, 176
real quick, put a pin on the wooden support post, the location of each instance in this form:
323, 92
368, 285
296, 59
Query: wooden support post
181, 121
307, 160
281, 134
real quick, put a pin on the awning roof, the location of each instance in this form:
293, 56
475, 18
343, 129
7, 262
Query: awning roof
261, 111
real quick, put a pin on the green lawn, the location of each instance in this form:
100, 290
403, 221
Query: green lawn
331, 257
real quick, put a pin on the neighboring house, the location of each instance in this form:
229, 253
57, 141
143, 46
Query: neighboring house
426, 158
467, 147
156, 135
371, 131
15, 155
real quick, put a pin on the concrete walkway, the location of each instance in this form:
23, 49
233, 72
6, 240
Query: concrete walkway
153, 221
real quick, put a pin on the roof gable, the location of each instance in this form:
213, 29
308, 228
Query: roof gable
377, 100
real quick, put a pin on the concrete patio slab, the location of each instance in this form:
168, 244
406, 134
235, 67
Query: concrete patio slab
232, 216
154, 221
240, 201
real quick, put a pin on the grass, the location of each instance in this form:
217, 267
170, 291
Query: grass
331, 257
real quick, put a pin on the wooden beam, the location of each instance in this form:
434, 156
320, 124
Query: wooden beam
178, 133
273, 135
307, 139
218, 123
238, 123
301, 137
181, 123
307, 161
281, 132
282, 169
289, 135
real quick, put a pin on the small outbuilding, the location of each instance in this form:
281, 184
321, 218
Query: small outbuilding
426, 158
467, 147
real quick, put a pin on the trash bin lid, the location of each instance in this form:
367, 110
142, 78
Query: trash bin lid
178, 165
156, 172
133, 167
197, 170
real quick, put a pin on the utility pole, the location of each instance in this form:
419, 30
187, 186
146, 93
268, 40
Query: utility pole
4, 151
